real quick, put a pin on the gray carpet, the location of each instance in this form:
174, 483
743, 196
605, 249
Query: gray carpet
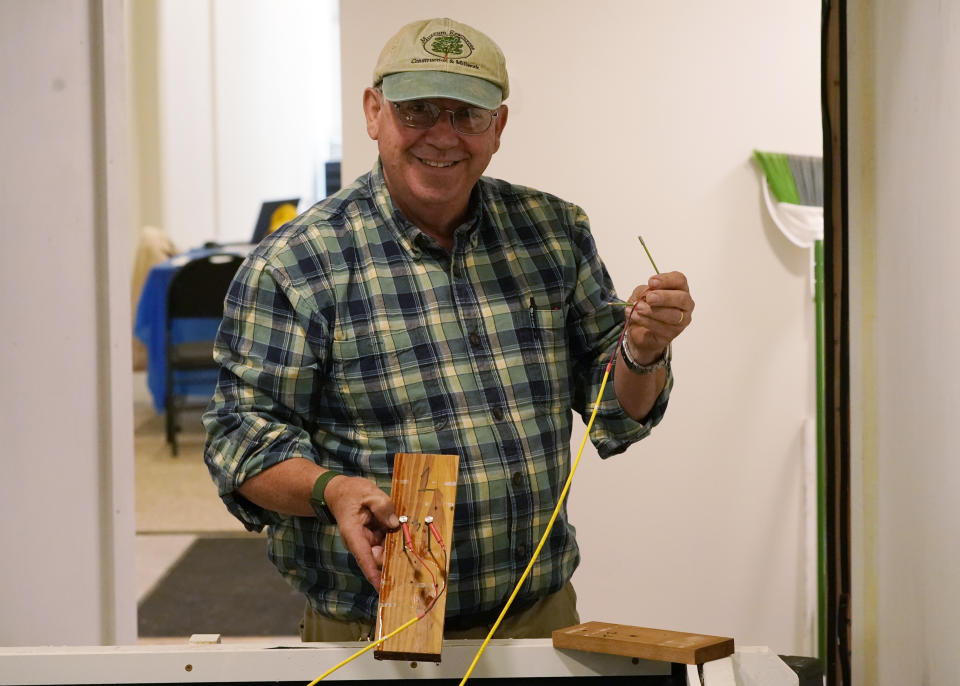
221, 586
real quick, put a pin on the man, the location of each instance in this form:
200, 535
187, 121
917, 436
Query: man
427, 309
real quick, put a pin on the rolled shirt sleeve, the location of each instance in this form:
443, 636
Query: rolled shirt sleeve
269, 355
594, 328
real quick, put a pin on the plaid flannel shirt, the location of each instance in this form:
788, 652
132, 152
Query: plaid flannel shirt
349, 335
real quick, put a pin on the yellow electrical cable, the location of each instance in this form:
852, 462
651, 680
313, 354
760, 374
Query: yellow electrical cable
563, 493
369, 647
546, 533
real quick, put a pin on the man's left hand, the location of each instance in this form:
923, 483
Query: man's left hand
664, 309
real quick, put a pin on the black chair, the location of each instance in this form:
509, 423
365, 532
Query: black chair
196, 291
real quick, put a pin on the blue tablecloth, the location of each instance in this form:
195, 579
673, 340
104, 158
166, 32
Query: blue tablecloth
150, 322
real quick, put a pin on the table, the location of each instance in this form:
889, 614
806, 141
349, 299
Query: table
524, 662
150, 323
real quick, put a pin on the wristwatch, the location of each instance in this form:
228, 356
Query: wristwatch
638, 368
317, 502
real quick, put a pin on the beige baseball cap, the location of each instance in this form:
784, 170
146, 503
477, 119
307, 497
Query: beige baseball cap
442, 58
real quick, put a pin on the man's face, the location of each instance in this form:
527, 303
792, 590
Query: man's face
429, 171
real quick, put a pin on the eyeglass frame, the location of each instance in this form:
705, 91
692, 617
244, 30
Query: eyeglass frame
440, 110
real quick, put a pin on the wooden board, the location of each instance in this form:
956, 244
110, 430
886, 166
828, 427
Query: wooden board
423, 485
648, 644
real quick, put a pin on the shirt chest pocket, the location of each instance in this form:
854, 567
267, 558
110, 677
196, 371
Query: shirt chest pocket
383, 376
532, 342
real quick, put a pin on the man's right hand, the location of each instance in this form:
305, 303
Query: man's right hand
363, 512
365, 515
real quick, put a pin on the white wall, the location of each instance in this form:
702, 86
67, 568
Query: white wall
66, 489
277, 101
185, 119
247, 111
646, 113
905, 163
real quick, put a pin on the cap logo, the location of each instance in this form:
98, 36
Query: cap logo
446, 45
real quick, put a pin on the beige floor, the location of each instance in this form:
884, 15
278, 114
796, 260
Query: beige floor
176, 501
173, 494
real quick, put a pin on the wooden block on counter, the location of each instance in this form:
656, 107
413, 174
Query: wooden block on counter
641, 642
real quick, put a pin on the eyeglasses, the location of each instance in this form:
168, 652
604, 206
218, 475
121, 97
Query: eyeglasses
421, 114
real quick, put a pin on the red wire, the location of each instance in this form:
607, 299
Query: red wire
436, 535
439, 539
439, 593
407, 538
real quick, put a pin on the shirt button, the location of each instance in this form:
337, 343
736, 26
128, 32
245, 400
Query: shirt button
521, 552
457, 272
475, 340
440, 423
517, 478
498, 413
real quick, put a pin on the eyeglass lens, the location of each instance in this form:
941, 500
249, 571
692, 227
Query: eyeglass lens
420, 114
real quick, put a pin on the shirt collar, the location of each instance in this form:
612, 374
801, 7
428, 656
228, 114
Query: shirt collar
410, 236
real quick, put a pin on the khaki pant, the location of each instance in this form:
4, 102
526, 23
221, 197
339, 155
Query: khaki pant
538, 621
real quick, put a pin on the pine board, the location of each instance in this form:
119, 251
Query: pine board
422, 485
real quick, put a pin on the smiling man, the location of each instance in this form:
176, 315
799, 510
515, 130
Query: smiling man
427, 308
